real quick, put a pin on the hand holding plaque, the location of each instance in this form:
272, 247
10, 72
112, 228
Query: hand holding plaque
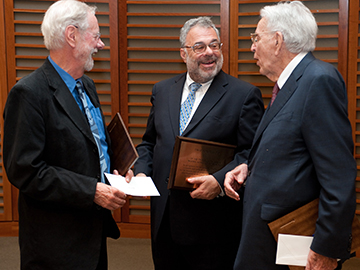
194, 157
124, 152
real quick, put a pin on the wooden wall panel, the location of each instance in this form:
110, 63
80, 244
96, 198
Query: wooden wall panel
5, 187
354, 85
142, 48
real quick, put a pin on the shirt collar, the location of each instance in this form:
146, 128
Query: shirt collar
66, 77
204, 86
289, 69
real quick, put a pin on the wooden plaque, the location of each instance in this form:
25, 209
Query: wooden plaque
302, 221
194, 157
124, 152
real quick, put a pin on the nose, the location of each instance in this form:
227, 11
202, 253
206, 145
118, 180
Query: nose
208, 50
253, 47
100, 44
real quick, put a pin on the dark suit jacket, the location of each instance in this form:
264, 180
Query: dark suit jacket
51, 156
302, 150
229, 113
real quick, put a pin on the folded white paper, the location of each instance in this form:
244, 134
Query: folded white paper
138, 186
293, 249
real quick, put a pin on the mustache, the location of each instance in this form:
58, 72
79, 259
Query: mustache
207, 59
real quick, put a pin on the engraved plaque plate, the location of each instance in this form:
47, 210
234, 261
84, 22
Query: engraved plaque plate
194, 157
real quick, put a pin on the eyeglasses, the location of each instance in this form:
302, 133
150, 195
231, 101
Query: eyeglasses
255, 37
201, 47
96, 36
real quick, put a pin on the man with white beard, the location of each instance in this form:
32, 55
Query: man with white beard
56, 149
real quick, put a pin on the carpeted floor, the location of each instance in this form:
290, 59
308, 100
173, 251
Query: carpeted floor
124, 254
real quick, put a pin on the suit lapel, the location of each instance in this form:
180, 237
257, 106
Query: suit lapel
175, 94
211, 98
66, 100
282, 98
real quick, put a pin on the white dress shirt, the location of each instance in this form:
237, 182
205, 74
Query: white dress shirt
199, 94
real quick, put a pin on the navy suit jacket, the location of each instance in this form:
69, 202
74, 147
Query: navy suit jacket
303, 149
229, 113
51, 156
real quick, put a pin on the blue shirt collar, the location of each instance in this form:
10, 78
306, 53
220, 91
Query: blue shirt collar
66, 77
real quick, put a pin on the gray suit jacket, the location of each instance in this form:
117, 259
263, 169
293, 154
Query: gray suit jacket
50, 155
302, 150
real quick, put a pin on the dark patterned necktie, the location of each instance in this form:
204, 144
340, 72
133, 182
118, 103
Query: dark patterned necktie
94, 129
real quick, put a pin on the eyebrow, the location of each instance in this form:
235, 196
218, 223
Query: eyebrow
204, 42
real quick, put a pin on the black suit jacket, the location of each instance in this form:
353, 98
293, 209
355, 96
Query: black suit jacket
51, 156
229, 113
302, 150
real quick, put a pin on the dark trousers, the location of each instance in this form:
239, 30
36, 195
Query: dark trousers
170, 255
103, 259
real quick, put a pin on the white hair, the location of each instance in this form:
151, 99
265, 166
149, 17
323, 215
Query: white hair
60, 15
295, 21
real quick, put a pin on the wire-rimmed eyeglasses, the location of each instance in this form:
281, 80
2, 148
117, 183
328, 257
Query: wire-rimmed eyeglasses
96, 36
255, 37
201, 47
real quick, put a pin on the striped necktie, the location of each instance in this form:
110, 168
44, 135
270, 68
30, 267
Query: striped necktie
93, 127
187, 106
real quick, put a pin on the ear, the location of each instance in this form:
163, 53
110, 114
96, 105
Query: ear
183, 54
279, 42
70, 35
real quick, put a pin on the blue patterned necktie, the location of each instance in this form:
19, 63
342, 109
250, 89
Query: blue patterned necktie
187, 106
93, 127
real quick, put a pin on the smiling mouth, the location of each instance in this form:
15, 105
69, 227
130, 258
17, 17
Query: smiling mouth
208, 63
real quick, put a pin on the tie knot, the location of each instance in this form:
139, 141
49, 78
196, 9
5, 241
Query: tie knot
79, 86
194, 86
276, 89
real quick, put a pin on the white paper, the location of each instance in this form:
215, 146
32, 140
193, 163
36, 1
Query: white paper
293, 249
138, 186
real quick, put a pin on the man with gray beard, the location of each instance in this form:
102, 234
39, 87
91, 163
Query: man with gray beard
197, 230
56, 149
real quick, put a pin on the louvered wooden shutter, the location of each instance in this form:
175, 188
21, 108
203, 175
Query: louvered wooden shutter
354, 85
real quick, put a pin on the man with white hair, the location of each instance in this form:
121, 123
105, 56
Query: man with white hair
303, 147
56, 149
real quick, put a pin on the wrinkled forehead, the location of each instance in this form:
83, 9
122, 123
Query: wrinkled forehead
261, 26
93, 22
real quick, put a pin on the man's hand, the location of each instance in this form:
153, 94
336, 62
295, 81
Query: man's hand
207, 187
109, 197
128, 176
316, 261
234, 180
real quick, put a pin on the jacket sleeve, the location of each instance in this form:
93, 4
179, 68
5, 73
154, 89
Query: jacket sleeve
327, 134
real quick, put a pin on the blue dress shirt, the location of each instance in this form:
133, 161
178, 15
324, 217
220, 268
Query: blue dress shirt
95, 112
